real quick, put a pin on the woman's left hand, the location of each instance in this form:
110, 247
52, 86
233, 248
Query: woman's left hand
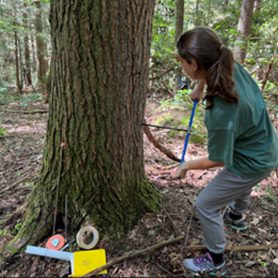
180, 172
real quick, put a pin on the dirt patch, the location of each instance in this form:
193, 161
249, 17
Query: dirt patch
21, 155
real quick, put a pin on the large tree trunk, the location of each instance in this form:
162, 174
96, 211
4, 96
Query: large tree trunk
41, 47
179, 18
243, 29
96, 108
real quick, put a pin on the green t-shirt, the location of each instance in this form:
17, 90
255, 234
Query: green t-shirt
241, 135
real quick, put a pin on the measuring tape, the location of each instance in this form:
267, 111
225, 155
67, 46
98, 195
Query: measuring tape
56, 242
87, 237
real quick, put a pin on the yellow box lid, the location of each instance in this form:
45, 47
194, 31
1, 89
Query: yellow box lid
87, 261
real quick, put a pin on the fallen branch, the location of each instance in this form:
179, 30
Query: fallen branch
152, 139
24, 111
24, 179
132, 254
244, 248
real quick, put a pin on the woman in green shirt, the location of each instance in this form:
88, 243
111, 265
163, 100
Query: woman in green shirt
241, 139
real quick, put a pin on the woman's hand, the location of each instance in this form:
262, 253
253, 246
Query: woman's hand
180, 172
198, 91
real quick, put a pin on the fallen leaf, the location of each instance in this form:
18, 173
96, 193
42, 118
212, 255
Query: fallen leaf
250, 263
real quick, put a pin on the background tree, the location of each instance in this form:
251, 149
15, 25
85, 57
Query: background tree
197, 15
41, 46
179, 18
17, 51
244, 26
94, 146
27, 57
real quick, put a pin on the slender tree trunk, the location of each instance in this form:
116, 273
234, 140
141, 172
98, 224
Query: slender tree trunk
179, 18
243, 29
34, 59
41, 47
17, 53
94, 145
27, 64
209, 12
20, 64
179, 30
196, 17
257, 5
17, 66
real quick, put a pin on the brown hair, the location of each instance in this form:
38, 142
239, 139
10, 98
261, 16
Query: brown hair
204, 46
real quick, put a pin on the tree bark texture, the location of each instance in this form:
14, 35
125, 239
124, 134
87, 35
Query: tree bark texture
41, 47
179, 18
244, 26
99, 75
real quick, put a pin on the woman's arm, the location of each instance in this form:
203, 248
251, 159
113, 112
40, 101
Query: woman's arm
198, 164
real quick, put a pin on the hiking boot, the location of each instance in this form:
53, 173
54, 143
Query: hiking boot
204, 264
235, 224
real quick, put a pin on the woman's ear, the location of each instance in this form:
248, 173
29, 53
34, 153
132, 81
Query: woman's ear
194, 65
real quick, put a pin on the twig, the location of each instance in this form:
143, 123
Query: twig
167, 89
174, 225
189, 226
269, 67
133, 254
168, 272
24, 112
15, 184
244, 248
161, 75
165, 127
58, 187
3, 177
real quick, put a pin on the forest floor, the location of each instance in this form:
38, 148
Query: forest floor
21, 149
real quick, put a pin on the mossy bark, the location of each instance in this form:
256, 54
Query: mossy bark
96, 107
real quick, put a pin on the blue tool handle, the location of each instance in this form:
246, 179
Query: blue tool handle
188, 130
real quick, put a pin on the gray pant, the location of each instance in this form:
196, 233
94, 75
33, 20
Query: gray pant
225, 189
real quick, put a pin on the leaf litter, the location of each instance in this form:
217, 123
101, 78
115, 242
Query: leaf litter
20, 162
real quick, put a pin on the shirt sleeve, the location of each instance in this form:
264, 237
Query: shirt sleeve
221, 145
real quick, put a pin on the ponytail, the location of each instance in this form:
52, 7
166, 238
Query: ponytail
219, 79
203, 45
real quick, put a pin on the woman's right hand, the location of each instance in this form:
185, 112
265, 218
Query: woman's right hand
198, 91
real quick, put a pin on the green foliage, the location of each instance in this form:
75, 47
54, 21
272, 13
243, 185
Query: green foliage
24, 100
3, 131
182, 102
222, 16
3, 232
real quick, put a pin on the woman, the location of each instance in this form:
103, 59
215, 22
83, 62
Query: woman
241, 139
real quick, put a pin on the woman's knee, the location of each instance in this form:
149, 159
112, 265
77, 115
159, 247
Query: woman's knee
202, 203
